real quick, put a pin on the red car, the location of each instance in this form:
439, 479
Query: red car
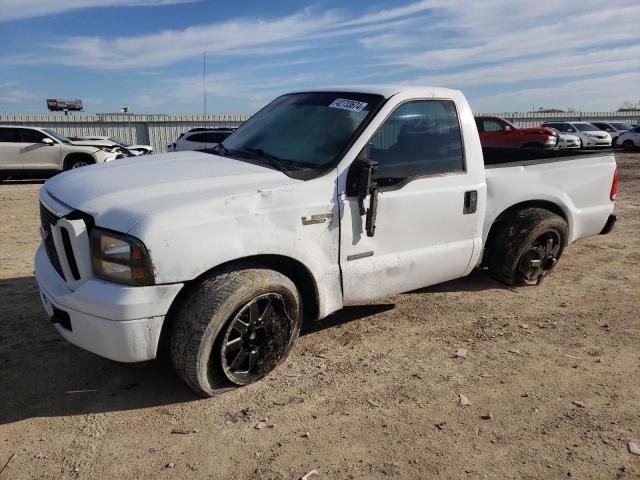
496, 132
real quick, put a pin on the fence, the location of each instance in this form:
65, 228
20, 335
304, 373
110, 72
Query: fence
161, 130
534, 119
155, 130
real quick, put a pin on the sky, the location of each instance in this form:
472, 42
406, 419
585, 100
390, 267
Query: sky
506, 55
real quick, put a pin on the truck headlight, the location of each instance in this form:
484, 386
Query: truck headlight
120, 258
107, 149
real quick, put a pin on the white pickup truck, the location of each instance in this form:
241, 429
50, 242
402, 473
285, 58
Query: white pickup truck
322, 199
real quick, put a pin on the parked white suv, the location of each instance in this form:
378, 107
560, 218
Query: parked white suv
590, 135
629, 139
31, 150
114, 144
199, 139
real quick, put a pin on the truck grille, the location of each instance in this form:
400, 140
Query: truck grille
48, 219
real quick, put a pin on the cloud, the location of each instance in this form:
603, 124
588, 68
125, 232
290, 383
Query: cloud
392, 13
594, 94
17, 96
514, 40
303, 30
562, 64
187, 90
495, 46
172, 46
20, 9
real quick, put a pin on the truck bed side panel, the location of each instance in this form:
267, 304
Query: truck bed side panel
580, 186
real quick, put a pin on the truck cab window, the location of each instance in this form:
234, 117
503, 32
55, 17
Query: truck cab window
419, 138
492, 126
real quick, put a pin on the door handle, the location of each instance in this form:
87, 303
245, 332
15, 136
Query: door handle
470, 202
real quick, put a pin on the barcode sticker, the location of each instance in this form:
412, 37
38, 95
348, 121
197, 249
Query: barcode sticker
346, 104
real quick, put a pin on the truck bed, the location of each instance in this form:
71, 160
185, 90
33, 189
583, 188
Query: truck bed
578, 183
509, 157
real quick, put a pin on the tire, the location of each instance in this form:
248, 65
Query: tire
207, 331
628, 145
78, 162
527, 246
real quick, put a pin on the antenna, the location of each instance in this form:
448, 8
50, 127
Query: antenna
204, 81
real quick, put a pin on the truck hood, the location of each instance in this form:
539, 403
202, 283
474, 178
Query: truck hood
538, 131
118, 194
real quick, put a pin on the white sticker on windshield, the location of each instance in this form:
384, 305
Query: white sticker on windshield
346, 104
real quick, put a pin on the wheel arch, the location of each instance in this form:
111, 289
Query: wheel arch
70, 157
287, 266
509, 211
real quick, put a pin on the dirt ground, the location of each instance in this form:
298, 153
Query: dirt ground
371, 392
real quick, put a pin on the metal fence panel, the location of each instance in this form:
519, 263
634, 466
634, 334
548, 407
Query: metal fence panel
534, 119
155, 130
161, 130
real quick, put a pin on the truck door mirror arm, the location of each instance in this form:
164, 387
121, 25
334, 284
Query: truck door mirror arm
360, 184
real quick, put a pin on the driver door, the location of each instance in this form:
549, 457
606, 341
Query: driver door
426, 223
37, 155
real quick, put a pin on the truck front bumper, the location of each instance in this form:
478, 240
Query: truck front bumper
115, 321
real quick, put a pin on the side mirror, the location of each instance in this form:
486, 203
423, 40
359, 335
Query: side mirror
507, 128
47, 141
360, 184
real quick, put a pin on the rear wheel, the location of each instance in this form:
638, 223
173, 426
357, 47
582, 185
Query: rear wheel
234, 328
527, 246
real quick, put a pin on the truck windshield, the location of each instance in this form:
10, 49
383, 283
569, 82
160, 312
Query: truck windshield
303, 130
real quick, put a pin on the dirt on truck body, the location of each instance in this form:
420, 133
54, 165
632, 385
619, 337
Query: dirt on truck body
371, 392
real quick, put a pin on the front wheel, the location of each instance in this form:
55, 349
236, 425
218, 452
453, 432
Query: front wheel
77, 161
234, 328
628, 145
527, 246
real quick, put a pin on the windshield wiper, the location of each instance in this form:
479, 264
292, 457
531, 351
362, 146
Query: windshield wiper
272, 159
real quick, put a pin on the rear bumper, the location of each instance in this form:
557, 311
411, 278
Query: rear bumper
114, 321
609, 225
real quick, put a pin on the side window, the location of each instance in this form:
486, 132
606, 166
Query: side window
9, 135
492, 126
568, 128
32, 136
217, 137
419, 138
206, 137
